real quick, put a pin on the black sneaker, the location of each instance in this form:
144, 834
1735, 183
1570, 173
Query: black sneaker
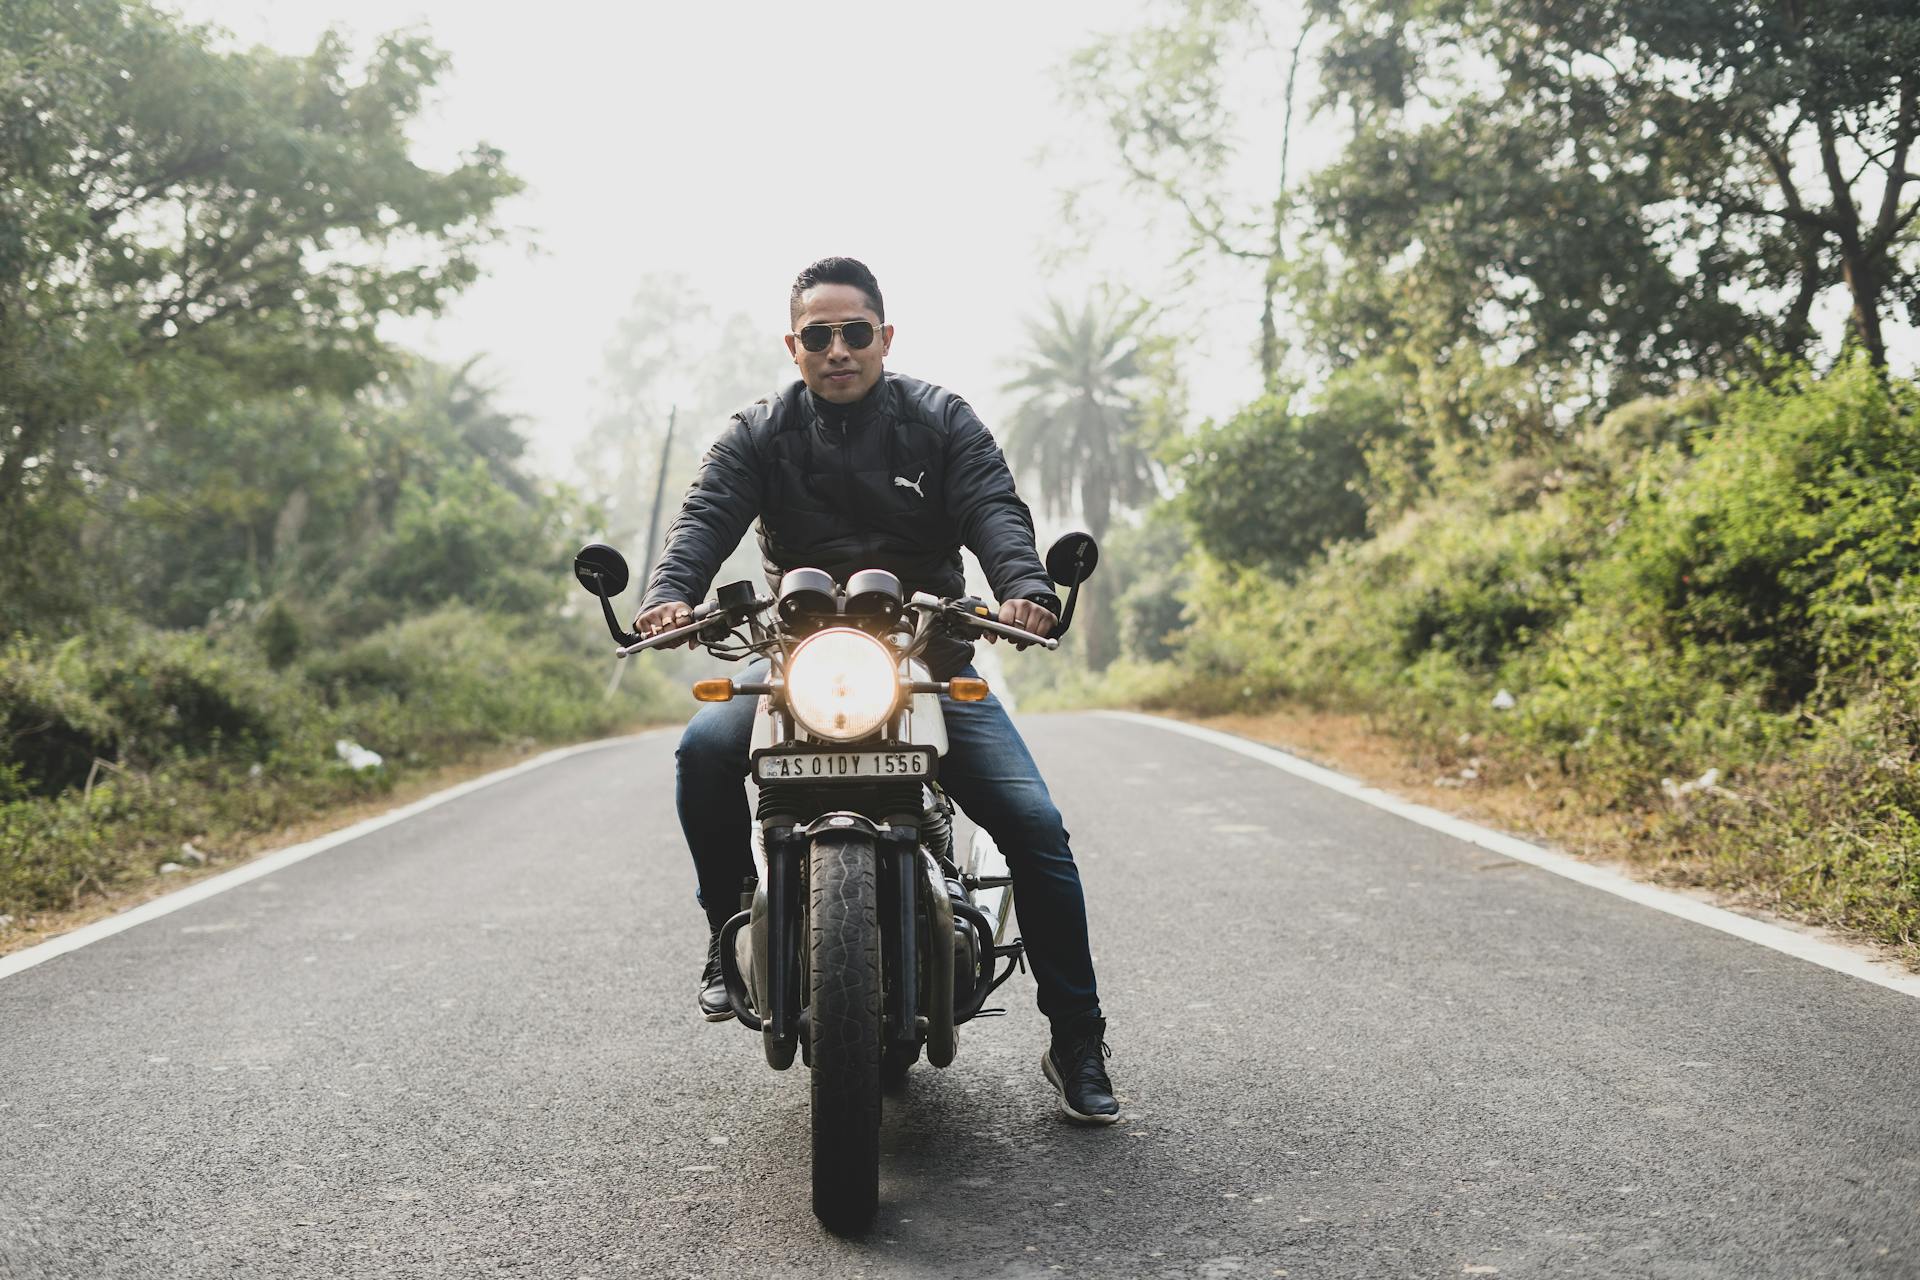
714, 1004
1076, 1064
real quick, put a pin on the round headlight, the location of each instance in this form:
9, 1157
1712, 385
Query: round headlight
841, 684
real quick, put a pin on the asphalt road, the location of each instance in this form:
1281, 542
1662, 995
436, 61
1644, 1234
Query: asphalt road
1348, 1046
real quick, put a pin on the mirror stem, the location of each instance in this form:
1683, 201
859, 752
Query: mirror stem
620, 633
1066, 613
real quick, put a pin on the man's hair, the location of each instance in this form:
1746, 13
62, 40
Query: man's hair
837, 271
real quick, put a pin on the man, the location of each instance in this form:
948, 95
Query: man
854, 468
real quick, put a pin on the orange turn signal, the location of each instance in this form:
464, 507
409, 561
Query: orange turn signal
720, 690
967, 689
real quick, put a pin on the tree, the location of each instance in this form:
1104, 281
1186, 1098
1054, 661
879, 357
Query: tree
1079, 433
352, 501
461, 535
1166, 93
183, 227
1270, 488
1482, 240
1544, 208
1779, 132
1144, 569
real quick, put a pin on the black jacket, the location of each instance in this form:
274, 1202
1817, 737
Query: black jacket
898, 481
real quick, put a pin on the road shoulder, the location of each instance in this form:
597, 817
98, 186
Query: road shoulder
1545, 819
415, 791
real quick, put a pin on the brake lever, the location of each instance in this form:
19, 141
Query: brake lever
663, 639
1014, 633
971, 612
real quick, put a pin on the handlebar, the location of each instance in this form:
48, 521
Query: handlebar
1015, 633
662, 639
705, 616
955, 609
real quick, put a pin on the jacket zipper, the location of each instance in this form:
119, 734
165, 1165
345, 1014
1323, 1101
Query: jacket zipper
853, 507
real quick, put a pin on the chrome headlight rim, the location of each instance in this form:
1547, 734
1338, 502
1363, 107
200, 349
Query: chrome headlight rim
875, 714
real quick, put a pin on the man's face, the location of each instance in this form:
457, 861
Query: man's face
839, 375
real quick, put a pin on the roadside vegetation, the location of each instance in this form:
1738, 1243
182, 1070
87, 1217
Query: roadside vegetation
255, 562
1583, 466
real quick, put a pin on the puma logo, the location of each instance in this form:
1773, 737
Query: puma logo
913, 484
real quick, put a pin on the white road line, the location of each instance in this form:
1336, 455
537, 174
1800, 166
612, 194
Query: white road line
1839, 957
267, 864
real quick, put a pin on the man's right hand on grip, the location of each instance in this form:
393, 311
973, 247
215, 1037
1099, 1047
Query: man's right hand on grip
663, 617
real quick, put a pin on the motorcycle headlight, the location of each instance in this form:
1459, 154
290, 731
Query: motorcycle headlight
841, 684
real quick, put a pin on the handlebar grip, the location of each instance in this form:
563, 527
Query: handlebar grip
1015, 633
662, 638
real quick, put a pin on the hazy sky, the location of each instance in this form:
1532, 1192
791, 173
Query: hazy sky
735, 143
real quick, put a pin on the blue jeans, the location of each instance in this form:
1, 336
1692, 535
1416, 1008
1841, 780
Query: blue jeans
988, 773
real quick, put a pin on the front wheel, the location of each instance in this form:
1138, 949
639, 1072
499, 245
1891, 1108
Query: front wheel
844, 1029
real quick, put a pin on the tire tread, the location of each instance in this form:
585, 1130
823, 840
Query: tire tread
844, 1021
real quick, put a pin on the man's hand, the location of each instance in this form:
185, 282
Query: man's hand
1028, 616
663, 617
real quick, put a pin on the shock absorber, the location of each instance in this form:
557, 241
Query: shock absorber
936, 831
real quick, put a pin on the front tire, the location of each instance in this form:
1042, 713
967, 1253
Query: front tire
844, 1029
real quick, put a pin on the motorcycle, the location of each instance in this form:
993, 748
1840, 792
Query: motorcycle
864, 941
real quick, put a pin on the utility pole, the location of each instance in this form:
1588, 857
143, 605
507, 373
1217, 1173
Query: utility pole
653, 531
659, 492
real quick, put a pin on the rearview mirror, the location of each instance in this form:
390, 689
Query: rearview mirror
601, 570
1071, 559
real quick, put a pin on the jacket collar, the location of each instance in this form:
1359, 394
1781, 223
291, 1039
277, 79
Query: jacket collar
851, 417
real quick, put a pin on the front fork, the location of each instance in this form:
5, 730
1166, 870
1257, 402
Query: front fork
777, 921
900, 880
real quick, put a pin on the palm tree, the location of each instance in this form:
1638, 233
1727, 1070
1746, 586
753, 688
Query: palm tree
1077, 431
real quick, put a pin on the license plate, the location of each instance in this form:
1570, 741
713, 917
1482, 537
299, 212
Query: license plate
843, 766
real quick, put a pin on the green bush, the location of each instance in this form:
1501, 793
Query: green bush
1271, 488
201, 740
175, 694
54, 728
1778, 541
56, 849
468, 538
461, 675
1831, 830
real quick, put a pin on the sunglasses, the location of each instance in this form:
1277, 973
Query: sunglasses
818, 337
